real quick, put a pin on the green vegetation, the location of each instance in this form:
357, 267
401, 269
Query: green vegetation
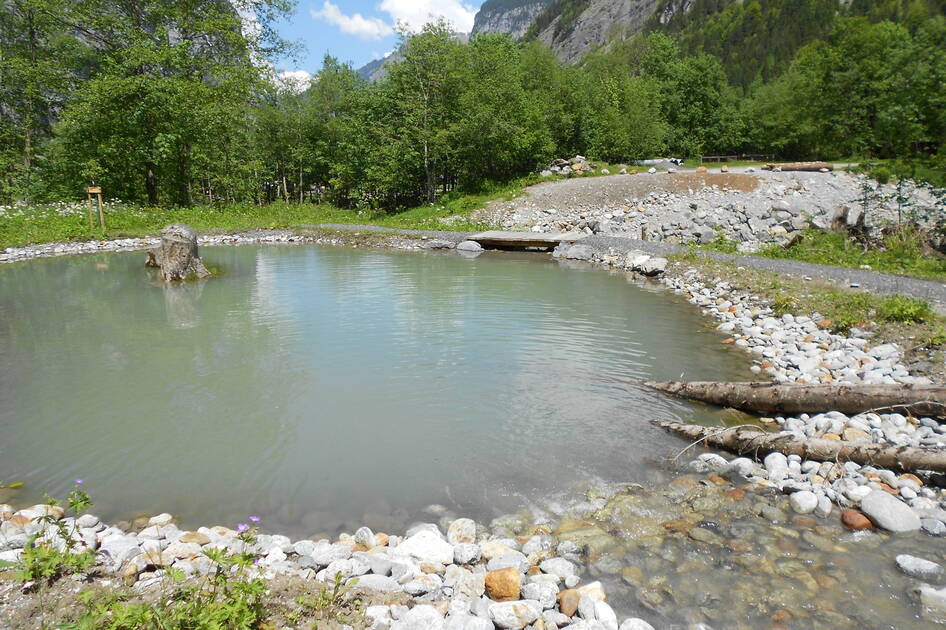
903, 252
179, 106
43, 560
567, 12
334, 603
902, 319
226, 598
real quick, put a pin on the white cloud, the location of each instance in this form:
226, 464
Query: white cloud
411, 13
416, 13
296, 80
356, 24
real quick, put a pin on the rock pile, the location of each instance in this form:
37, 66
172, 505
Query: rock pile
577, 165
470, 578
782, 205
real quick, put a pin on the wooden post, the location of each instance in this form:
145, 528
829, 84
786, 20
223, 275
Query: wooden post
97, 191
89, 196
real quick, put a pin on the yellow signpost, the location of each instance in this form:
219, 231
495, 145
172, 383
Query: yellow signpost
97, 192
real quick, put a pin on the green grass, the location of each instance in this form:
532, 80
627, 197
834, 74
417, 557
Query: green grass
887, 171
67, 221
902, 253
843, 309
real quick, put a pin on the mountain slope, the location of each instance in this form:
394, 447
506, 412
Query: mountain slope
573, 27
508, 16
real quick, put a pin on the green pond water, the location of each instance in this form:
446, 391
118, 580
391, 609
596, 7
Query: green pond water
325, 388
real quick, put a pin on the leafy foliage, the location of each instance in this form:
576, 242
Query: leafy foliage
177, 104
50, 556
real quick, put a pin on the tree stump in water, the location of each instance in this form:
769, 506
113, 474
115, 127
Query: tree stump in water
176, 257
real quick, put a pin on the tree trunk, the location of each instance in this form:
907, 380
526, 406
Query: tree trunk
151, 183
743, 441
800, 166
177, 257
918, 400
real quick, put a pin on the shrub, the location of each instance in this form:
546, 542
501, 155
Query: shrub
50, 554
900, 308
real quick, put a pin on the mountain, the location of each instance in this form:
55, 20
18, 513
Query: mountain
573, 27
374, 71
508, 16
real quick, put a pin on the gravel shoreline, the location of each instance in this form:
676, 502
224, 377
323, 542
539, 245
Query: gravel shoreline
459, 571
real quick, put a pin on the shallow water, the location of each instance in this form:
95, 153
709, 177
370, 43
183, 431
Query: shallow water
323, 388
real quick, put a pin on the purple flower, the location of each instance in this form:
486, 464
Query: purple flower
255, 519
242, 527
80, 481
256, 560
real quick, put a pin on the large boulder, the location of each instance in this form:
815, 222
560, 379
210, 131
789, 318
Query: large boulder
176, 258
890, 513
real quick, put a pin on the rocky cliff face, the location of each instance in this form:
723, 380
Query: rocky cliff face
601, 21
508, 16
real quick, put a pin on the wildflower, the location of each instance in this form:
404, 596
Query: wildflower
80, 481
255, 519
243, 527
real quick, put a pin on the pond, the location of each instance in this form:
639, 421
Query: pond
325, 388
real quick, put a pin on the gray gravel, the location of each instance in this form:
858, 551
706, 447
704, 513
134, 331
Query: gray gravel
873, 281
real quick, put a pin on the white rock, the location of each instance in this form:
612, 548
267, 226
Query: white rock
365, 536
470, 246
803, 502
558, 566
426, 546
462, 530
933, 602
889, 512
605, 615
466, 553
515, 615
420, 618
635, 624
380, 583
919, 568
161, 520
543, 592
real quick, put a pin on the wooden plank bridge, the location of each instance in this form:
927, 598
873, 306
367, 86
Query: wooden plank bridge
538, 240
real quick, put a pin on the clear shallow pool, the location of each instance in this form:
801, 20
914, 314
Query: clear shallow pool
324, 388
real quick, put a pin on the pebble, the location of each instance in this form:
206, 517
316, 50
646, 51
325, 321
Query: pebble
514, 615
803, 502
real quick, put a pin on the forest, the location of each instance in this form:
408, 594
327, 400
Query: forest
179, 103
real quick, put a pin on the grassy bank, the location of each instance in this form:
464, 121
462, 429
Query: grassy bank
907, 321
68, 222
903, 253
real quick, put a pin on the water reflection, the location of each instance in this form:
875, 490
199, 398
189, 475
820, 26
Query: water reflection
331, 387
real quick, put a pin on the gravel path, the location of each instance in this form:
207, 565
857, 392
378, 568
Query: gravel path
873, 281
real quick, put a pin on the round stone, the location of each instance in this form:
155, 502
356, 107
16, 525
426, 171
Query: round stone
803, 502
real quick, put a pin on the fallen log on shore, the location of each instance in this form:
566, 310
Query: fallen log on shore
800, 166
742, 441
917, 400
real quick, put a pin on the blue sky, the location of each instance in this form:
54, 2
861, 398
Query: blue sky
361, 30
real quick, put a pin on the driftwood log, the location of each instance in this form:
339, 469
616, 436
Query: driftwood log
176, 257
800, 166
917, 400
743, 441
